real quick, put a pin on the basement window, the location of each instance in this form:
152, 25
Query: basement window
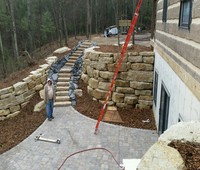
185, 17
180, 119
155, 87
165, 6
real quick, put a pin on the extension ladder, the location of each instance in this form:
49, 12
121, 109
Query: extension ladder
131, 29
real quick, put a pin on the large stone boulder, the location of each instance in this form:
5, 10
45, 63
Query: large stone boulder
20, 88
38, 107
161, 157
61, 50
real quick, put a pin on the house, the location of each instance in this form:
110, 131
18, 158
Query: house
177, 62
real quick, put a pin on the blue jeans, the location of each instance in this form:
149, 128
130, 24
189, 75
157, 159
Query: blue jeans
49, 108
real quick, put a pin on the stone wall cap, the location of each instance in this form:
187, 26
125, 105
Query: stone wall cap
147, 53
62, 50
91, 49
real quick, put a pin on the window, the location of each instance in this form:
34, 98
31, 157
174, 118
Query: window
164, 17
180, 119
164, 110
185, 14
155, 87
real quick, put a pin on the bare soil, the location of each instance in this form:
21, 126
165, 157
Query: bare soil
15, 130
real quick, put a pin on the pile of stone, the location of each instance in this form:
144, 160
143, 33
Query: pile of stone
134, 83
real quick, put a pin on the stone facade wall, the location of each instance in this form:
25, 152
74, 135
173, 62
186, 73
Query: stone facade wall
134, 83
15, 97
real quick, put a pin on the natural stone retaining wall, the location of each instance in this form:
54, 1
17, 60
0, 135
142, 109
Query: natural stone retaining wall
134, 83
15, 97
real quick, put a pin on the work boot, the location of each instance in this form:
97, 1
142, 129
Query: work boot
52, 117
49, 119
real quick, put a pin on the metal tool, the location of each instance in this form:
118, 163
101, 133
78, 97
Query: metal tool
37, 138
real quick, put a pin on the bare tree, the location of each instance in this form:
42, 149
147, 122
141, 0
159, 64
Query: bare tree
153, 20
88, 24
30, 37
3, 57
10, 8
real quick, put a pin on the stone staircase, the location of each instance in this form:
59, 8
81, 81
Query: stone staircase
62, 88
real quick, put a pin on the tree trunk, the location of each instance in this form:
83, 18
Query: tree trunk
153, 21
63, 13
65, 31
30, 37
60, 24
14, 35
96, 16
117, 21
134, 8
88, 20
3, 57
74, 20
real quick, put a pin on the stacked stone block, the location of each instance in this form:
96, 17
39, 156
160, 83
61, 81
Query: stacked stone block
134, 83
15, 97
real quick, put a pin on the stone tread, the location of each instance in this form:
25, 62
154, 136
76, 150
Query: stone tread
62, 98
69, 64
74, 57
76, 54
62, 93
66, 103
62, 88
79, 51
64, 75
61, 79
65, 70
81, 48
62, 83
71, 60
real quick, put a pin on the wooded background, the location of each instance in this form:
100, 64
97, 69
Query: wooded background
26, 25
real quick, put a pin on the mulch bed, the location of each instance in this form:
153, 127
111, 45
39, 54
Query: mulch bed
130, 117
117, 49
190, 153
16, 129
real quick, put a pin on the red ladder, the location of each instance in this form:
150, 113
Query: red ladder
134, 21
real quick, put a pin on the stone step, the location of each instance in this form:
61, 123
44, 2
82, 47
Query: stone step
62, 93
81, 48
64, 74
69, 64
63, 79
79, 51
62, 88
65, 70
62, 84
62, 98
85, 45
66, 103
76, 54
71, 60
73, 57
